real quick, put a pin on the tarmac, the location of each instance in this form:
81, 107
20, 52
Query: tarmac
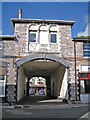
86, 116
47, 103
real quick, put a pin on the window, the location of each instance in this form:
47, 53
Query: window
2, 86
53, 37
32, 36
87, 86
85, 82
86, 49
0, 45
84, 76
43, 37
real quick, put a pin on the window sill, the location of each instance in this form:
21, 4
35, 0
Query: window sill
86, 57
2, 96
32, 42
53, 43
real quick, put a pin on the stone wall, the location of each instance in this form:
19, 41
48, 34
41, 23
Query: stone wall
23, 46
8, 48
20, 47
67, 46
11, 79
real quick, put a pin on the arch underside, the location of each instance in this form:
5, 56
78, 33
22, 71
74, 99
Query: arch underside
33, 57
49, 66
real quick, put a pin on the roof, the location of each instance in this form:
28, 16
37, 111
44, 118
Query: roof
81, 39
7, 37
61, 22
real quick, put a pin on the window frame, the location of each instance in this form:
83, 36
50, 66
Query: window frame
86, 49
40, 40
32, 32
0, 45
55, 33
3, 81
87, 84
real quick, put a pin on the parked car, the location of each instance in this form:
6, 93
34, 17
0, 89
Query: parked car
41, 92
31, 91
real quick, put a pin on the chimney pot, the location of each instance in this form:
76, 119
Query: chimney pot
20, 13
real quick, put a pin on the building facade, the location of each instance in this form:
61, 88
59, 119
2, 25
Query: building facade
43, 48
37, 86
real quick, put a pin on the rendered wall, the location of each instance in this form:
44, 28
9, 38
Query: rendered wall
21, 83
64, 86
57, 78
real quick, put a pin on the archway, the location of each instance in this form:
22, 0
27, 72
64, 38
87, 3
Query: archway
51, 67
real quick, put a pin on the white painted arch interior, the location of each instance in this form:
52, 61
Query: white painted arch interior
43, 68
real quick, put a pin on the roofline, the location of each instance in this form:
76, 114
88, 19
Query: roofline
81, 39
7, 37
61, 22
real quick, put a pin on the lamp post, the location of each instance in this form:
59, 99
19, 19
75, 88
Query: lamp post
75, 70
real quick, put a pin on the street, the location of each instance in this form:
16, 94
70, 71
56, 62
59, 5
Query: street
46, 111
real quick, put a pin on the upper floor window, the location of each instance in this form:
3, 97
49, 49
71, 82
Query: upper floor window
0, 45
32, 36
86, 49
43, 37
53, 37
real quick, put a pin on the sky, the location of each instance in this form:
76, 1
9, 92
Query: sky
73, 11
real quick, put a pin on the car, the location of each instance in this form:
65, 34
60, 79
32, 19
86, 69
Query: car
41, 92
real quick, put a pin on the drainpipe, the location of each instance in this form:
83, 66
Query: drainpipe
68, 79
75, 70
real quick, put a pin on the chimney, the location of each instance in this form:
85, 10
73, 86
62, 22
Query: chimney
20, 13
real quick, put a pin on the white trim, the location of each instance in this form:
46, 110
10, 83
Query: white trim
54, 32
3, 81
43, 37
86, 50
86, 57
35, 32
0, 45
81, 68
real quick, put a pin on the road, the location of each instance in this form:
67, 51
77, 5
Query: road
46, 111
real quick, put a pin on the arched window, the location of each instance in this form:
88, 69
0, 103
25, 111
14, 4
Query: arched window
53, 37
33, 33
53, 34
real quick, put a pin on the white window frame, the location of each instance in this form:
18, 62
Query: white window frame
3, 81
40, 40
35, 32
1, 44
54, 32
87, 50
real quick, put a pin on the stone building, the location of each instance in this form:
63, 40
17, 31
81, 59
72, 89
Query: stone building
42, 48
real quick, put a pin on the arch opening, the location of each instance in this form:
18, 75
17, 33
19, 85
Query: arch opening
52, 72
37, 86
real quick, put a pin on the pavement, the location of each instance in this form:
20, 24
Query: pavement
85, 116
